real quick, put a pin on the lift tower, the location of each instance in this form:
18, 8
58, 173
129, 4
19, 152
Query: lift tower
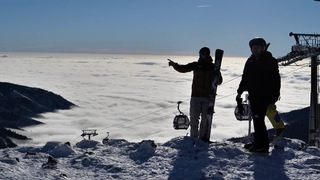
308, 45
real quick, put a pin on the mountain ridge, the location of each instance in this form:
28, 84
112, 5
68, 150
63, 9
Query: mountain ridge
20, 104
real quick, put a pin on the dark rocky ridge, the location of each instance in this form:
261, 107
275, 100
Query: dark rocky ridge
19, 104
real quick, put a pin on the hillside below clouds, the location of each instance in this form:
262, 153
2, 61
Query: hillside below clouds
20, 104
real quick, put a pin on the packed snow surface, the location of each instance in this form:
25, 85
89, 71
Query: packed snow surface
180, 158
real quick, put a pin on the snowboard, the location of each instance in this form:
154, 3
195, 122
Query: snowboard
214, 86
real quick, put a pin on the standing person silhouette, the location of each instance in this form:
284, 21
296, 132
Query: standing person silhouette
203, 74
261, 79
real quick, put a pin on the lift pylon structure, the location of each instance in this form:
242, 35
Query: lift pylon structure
308, 45
89, 133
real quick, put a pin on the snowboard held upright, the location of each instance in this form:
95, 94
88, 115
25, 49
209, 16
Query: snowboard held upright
217, 62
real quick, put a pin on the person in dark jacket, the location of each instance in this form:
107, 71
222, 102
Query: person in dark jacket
261, 79
203, 74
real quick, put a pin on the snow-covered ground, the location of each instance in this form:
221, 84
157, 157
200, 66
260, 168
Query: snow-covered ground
179, 158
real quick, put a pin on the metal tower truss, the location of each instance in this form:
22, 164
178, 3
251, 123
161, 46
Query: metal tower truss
307, 45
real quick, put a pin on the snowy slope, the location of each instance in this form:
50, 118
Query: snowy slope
179, 158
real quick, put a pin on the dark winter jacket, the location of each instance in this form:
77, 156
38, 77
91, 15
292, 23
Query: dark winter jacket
203, 75
261, 78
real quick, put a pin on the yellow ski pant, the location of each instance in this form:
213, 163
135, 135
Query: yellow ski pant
274, 117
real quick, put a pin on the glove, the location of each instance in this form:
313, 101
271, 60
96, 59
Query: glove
238, 98
171, 63
274, 100
276, 97
239, 105
240, 109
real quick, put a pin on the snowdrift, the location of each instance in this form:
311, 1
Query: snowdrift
179, 158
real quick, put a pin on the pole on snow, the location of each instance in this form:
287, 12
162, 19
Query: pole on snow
314, 110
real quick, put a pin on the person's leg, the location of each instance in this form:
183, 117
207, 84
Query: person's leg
195, 110
275, 119
261, 139
204, 124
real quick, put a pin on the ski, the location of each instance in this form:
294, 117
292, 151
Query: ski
217, 62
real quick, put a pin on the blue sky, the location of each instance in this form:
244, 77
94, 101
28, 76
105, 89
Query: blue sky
153, 26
